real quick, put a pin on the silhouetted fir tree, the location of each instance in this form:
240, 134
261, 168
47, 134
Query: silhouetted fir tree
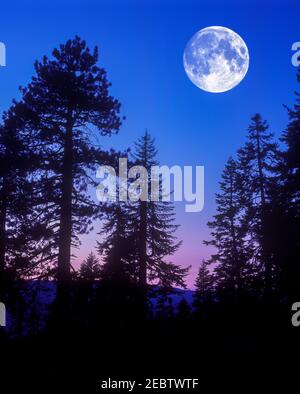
153, 225
66, 100
258, 160
229, 234
90, 268
13, 177
23, 237
289, 227
291, 137
24, 246
204, 288
85, 290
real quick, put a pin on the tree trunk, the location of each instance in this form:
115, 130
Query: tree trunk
65, 231
3, 213
260, 171
264, 243
143, 245
237, 268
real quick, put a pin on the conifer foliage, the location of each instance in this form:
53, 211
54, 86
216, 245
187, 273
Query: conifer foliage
67, 102
140, 235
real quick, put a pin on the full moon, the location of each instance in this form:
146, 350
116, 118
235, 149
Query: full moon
216, 59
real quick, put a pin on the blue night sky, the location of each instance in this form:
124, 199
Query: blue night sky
141, 45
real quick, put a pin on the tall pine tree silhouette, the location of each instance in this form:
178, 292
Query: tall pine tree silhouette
138, 236
290, 196
204, 287
153, 224
23, 237
233, 271
90, 268
69, 105
258, 160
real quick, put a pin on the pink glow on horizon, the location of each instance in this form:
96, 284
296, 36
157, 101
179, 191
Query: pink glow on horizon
191, 252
